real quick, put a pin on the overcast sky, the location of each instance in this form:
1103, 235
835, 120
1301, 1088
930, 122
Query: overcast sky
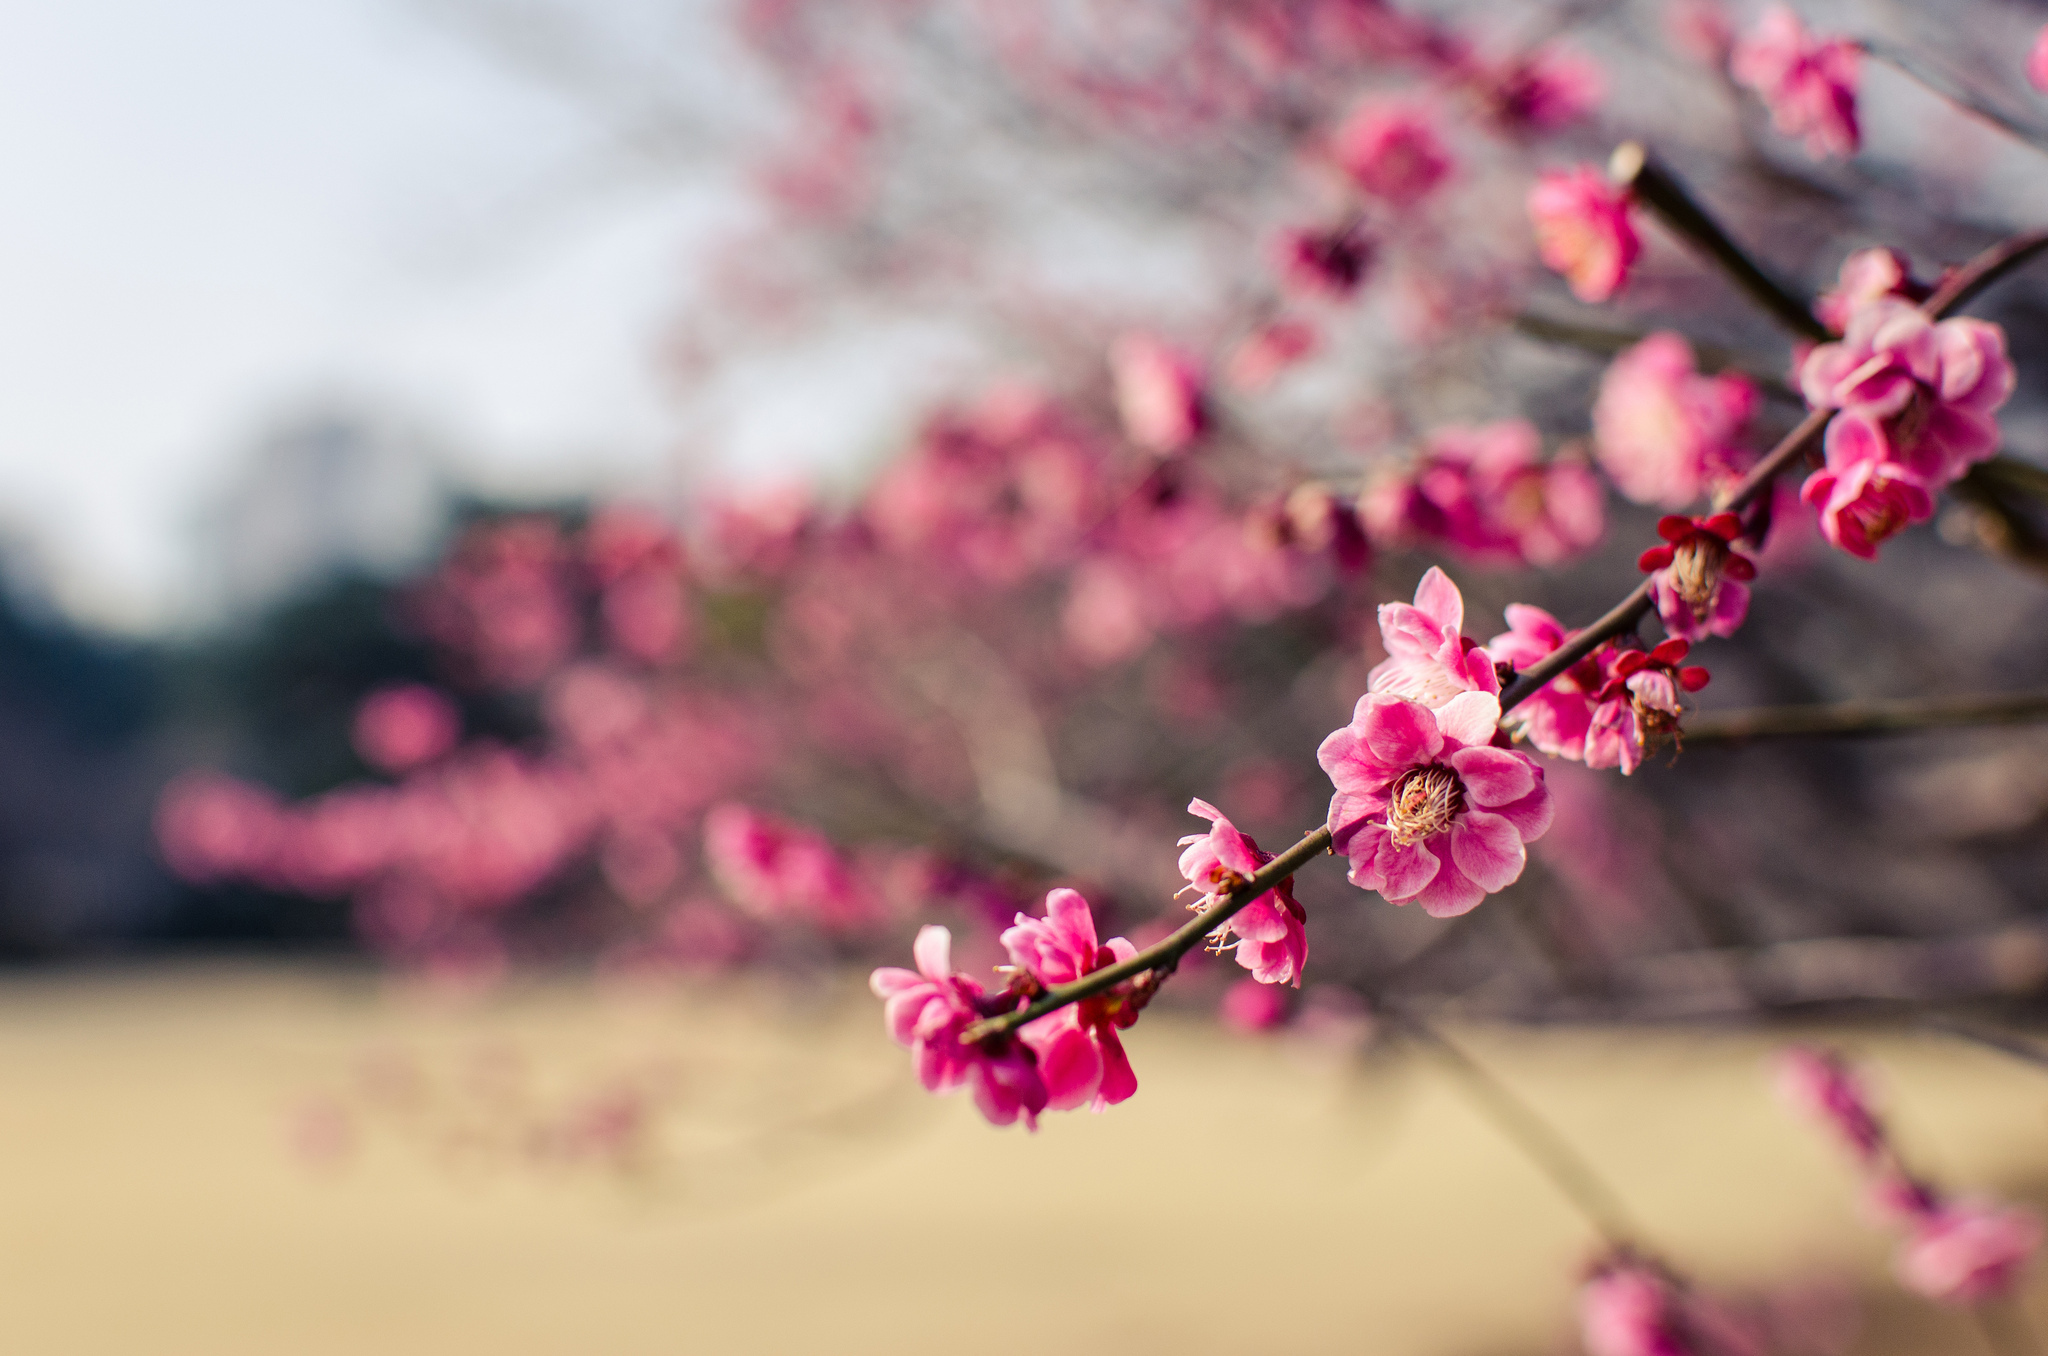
221, 212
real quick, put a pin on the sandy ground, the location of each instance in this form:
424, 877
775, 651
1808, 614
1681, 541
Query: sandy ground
224, 1161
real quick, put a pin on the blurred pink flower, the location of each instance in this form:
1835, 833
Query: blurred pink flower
210, 827
1866, 276
1250, 1007
1268, 351
1636, 709
1330, 263
1454, 813
1556, 717
1485, 493
1932, 389
1809, 85
1391, 150
1663, 431
399, 728
1583, 230
1429, 659
1821, 1085
1862, 495
779, 872
1271, 940
2037, 61
1080, 1055
1701, 585
1538, 91
1630, 1310
1158, 393
1969, 1251
1702, 29
926, 1009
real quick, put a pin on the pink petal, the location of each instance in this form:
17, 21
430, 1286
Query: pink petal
1401, 871
1437, 596
890, 980
1070, 1066
1202, 809
1398, 733
1493, 776
1469, 718
1450, 894
1531, 815
1260, 921
1488, 849
1119, 1080
933, 951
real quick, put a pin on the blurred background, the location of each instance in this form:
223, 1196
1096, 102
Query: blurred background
542, 541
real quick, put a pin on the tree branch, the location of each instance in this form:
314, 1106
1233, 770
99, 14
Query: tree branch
1866, 718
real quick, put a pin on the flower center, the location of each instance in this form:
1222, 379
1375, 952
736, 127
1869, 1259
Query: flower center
1425, 801
1878, 520
1696, 570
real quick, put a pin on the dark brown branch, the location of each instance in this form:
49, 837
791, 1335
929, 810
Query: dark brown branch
1865, 718
1987, 268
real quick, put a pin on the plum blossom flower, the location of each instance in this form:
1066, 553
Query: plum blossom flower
1867, 276
1862, 495
1328, 264
1583, 230
1080, 1056
1636, 710
1425, 808
1485, 493
1158, 393
1968, 1252
1268, 934
1808, 84
1556, 717
928, 1008
1391, 151
1429, 660
1931, 388
1701, 587
1663, 431
1539, 91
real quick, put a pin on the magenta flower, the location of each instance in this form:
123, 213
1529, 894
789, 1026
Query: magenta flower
1425, 808
780, 872
1485, 493
926, 1009
1636, 709
1809, 85
399, 728
1539, 91
1969, 1251
1429, 660
1932, 388
1862, 495
1391, 151
2037, 61
1080, 1056
1866, 276
1663, 431
1269, 934
1821, 1085
1329, 264
1158, 393
1701, 585
1583, 230
1555, 718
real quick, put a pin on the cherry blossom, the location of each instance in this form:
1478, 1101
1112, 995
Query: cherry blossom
1453, 812
1701, 586
1080, 1055
1429, 660
1636, 708
1968, 1252
928, 1008
1484, 492
1862, 495
1328, 264
1391, 151
1808, 84
1537, 91
1583, 230
1267, 935
1663, 431
1867, 276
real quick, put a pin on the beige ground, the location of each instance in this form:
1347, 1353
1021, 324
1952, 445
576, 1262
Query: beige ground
795, 1194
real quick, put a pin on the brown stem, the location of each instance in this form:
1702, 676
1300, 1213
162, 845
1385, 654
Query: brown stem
1987, 268
1866, 718
1659, 190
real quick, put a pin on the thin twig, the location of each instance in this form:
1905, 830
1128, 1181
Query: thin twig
1866, 718
1965, 283
1538, 1140
1659, 190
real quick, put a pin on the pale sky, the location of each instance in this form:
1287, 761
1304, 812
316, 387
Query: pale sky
217, 213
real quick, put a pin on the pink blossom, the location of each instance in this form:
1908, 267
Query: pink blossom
1862, 495
1080, 1055
399, 728
1453, 812
1820, 1084
1630, 1310
1701, 585
1429, 660
1268, 934
1391, 151
2037, 61
1636, 709
1809, 85
212, 827
1158, 393
1268, 351
1867, 276
1557, 716
1539, 91
1329, 264
1583, 230
777, 871
1663, 431
1932, 388
1250, 1007
1485, 493
1968, 1252
926, 1009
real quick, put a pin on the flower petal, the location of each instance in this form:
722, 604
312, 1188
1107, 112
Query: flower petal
1493, 776
1469, 717
1488, 849
1450, 894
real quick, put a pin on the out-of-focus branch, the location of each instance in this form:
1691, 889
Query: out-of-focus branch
1632, 167
1903, 61
1998, 521
1865, 718
1962, 286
